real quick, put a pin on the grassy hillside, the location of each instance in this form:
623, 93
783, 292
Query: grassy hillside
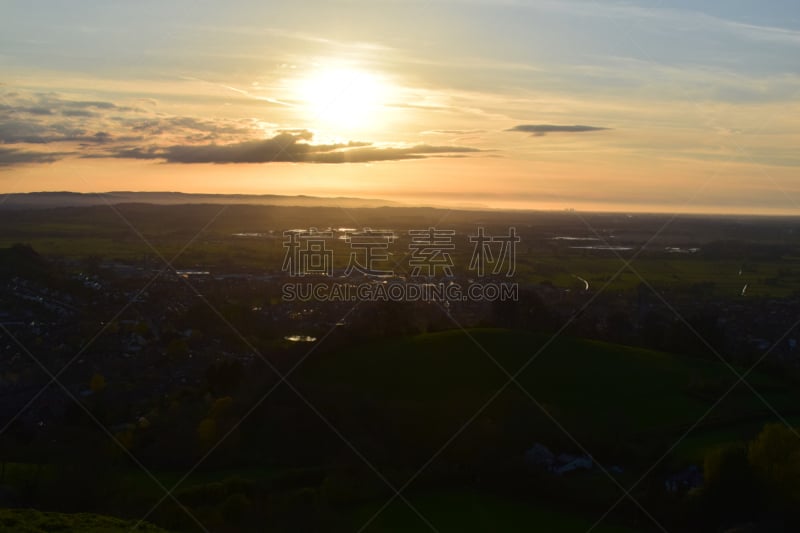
399, 401
429, 385
462, 511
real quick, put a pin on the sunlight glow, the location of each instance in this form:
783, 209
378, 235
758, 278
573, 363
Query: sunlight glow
342, 98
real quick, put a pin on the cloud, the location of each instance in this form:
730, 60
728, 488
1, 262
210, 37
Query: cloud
46, 118
675, 18
14, 131
11, 156
451, 132
286, 147
187, 128
371, 153
49, 118
85, 104
94, 129
78, 113
243, 92
152, 102
37, 110
539, 130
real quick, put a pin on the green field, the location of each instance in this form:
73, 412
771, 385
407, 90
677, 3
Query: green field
760, 253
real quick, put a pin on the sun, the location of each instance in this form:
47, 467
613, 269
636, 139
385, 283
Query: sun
342, 99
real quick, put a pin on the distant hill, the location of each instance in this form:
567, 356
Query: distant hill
73, 199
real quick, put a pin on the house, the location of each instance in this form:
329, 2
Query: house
568, 463
539, 457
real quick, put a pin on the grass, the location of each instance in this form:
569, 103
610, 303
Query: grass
435, 382
33, 521
694, 448
462, 511
423, 388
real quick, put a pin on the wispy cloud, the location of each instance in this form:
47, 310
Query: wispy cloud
669, 16
242, 92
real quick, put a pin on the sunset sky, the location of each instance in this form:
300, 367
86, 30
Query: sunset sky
641, 105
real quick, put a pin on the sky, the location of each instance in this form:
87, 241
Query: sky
637, 105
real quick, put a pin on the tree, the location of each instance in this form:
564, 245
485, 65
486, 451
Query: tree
774, 456
730, 492
224, 376
207, 432
177, 349
97, 383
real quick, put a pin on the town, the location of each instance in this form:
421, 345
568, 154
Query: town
168, 357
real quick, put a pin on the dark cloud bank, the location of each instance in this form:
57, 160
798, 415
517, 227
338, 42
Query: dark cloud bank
286, 147
539, 130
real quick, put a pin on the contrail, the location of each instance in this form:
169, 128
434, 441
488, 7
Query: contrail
241, 91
